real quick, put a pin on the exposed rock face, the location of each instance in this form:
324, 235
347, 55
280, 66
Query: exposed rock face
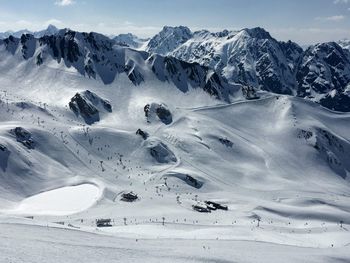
187, 75
28, 45
97, 101
11, 44
142, 133
159, 111
80, 106
3, 148
334, 150
88, 105
4, 156
23, 136
133, 74
164, 114
226, 142
339, 101
188, 179
249, 93
129, 197
325, 73
161, 153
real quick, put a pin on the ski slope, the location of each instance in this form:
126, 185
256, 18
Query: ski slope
281, 165
61, 201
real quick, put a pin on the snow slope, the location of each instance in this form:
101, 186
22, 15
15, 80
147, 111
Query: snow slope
280, 164
79, 198
37, 242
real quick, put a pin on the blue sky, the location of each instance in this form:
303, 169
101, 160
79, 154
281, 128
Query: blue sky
304, 21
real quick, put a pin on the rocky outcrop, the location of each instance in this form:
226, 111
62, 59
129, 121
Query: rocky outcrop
142, 133
188, 179
226, 142
3, 148
161, 153
23, 136
324, 76
159, 111
4, 156
88, 105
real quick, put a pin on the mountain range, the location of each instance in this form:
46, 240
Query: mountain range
251, 58
50, 30
186, 147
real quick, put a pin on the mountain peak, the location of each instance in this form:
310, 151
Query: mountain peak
51, 27
50, 30
258, 32
176, 29
129, 40
169, 39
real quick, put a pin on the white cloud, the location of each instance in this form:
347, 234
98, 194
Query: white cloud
331, 18
23, 24
32, 25
335, 18
64, 2
55, 22
308, 36
341, 1
115, 28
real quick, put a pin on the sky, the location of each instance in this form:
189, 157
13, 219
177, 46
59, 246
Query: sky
303, 21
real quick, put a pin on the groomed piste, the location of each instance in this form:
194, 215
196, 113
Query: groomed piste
61, 201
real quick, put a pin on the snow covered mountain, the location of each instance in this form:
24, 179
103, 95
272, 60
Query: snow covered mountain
96, 56
105, 148
19, 33
249, 56
252, 57
129, 40
324, 74
168, 39
50, 30
279, 164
